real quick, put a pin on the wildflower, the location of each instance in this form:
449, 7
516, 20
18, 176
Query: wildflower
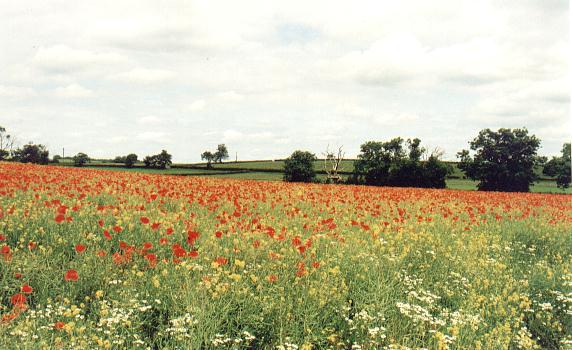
80, 248
27, 289
144, 220
59, 325
59, 218
18, 299
71, 275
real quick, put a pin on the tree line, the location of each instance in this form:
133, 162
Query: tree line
503, 160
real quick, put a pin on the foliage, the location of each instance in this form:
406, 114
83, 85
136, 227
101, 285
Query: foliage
220, 154
56, 158
503, 161
80, 159
158, 161
390, 164
32, 153
130, 160
6, 143
299, 167
559, 167
98, 259
209, 157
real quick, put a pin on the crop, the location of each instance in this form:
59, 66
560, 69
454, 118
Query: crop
101, 259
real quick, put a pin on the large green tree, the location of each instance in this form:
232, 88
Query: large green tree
32, 153
221, 153
560, 167
299, 167
501, 160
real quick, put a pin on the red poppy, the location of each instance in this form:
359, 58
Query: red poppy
71, 275
32, 245
315, 264
27, 289
117, 229
18, 299
169, 231
155, 225
17, 275
107, 235
100, 223
218, 234
221, 261
147, 245
144, 220
59, 325
152, 259
193, 253
80, 248
101, 253
178, 250
272, 278
2, 238
163, 241
59, 218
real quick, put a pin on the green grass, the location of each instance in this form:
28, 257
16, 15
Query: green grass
271, 171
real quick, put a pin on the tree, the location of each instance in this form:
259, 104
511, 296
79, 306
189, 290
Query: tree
221, 153
6, 144
32, 153
163, 160
130, 160
56, 158
119, 159
299, 167
332, 164
504, 160
375, 160
80, 159
209, 157
560, 167
158, 161
391, 164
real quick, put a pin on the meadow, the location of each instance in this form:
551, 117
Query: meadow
95, 258
268, 170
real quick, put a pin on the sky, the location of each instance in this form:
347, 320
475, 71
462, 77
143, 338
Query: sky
266, 78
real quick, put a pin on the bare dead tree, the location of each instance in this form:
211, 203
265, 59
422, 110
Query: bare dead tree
332, 164
6, 143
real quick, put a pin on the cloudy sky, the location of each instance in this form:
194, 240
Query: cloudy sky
113, 77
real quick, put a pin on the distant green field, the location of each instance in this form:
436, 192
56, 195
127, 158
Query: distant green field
272, 171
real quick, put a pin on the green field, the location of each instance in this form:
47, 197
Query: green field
272, 171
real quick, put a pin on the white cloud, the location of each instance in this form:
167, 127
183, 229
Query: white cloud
155, 136
73, 91
150, 120
16, 92
197, 106
281, 76
237, 136
144, 76
231, 96
63, 59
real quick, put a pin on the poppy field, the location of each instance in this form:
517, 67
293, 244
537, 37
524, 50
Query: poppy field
104, 259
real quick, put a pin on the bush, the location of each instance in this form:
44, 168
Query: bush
560, 167
158, 161
80, 159
299, 167
390, 164
130, 160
